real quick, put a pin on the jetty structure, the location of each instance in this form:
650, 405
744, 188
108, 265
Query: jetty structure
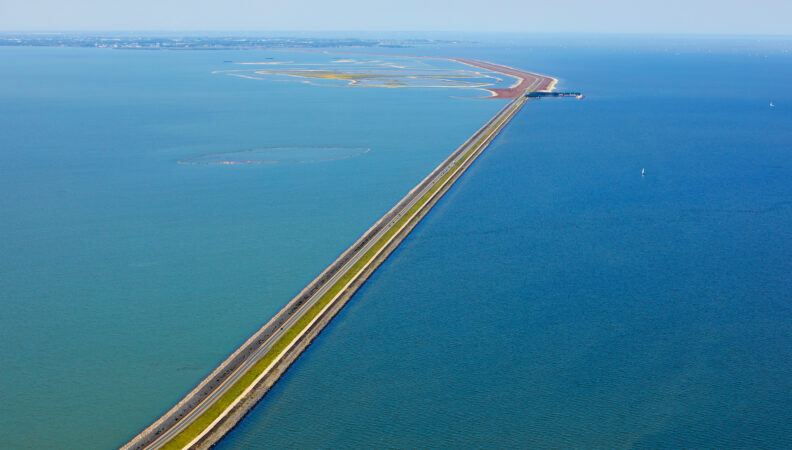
538, 94
220, 400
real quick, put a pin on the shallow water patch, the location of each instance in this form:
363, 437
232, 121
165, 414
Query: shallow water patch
277, 155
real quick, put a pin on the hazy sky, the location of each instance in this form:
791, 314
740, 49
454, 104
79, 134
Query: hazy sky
674, 16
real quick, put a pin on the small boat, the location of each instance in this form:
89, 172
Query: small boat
643, 172
772, 105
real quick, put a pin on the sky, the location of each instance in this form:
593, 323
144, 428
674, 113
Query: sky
619, 16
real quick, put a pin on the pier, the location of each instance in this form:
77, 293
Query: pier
538, 94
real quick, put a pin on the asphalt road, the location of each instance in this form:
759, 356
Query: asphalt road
265, 347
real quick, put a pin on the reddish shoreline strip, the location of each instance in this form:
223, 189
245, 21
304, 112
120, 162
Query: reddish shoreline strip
527, 79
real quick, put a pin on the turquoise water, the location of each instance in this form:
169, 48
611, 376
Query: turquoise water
557, 298
126, 277
278, 155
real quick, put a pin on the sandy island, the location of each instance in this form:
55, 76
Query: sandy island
526, 81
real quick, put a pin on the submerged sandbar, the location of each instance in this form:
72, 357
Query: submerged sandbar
276, 155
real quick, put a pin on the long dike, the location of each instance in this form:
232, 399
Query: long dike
250, 371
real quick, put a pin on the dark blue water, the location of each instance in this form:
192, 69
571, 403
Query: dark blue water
557, 298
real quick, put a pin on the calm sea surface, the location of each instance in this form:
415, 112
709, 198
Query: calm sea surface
125, 277
554, 298
557, 298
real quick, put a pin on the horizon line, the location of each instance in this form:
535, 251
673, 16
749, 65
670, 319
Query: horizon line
244, 32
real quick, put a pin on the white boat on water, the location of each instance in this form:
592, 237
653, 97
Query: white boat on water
772, 105
643, 172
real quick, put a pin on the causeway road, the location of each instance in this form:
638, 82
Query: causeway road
194, 423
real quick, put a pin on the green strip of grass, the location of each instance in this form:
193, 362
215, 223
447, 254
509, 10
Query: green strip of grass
200, 424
